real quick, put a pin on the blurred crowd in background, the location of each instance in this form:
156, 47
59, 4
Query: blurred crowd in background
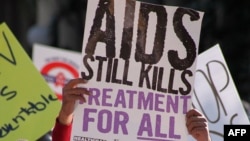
60, 23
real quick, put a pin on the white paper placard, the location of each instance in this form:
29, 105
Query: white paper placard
215, 93
140, 61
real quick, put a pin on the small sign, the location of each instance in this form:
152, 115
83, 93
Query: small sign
56, 65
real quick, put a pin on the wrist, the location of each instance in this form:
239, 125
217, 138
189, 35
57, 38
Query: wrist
65, 119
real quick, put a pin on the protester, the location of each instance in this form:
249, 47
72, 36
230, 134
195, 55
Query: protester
196, 123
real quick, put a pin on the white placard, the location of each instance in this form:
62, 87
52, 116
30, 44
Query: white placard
215, 93
140, 61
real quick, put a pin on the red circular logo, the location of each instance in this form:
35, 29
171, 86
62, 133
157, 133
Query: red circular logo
57, 74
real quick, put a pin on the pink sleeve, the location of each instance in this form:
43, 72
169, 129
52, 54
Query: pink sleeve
61, 132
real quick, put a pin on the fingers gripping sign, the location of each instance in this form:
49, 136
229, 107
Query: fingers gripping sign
197, 125
74, 91
71, 93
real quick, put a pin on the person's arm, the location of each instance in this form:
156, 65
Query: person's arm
70, 93
197, 125
61, 132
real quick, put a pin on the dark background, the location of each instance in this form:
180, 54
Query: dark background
60, 23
